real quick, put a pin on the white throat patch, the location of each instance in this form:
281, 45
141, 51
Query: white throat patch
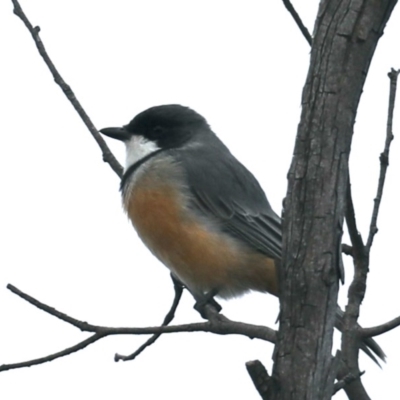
137, 148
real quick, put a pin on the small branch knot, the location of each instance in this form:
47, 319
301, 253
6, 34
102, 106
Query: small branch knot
348, 250
393, 73
384, 159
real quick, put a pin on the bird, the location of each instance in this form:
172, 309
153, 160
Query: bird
199, 210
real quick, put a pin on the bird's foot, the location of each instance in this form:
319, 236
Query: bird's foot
206, 304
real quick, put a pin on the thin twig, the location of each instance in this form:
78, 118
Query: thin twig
34, 31
298, 21
380, 329
178, 287
384, 157
83, 326
352, 333
220, 326
51, 357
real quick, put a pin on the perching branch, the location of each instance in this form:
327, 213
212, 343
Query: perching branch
298, 21
220, 326
34, 31
51, 357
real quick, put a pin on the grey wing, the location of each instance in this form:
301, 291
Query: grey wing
225, 190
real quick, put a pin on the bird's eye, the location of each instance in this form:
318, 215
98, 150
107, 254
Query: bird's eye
157, 131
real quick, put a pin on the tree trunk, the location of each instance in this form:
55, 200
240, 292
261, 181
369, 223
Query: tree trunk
345, 37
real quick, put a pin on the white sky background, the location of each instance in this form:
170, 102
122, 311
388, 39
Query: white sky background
64, 237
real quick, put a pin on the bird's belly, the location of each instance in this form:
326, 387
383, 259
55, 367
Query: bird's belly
203, 258
198, 256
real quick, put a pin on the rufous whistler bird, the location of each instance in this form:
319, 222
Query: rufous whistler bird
197, 208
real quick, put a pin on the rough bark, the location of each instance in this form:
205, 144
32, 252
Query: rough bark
345, 37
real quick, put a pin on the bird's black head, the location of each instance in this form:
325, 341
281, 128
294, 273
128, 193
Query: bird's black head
167, 126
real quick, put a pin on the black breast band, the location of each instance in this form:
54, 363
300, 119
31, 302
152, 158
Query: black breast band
131, 170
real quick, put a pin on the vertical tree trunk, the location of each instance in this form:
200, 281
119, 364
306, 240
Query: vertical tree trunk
345, 37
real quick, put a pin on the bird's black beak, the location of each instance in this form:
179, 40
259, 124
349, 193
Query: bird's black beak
117, 133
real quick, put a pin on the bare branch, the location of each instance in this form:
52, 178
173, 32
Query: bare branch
83, 326
222, 325
34, 31
51, 357
346, 249
298, 21
379, 329
178, 287
384, 157
339, 385
219, 326
259, 376
352, 333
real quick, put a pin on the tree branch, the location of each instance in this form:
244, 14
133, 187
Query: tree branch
178, 287
346, 249
298, 21
219, 326
380, 329
339, 385
259, 376
34, 31
354, 388
384, 157
51, 357
352, 333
